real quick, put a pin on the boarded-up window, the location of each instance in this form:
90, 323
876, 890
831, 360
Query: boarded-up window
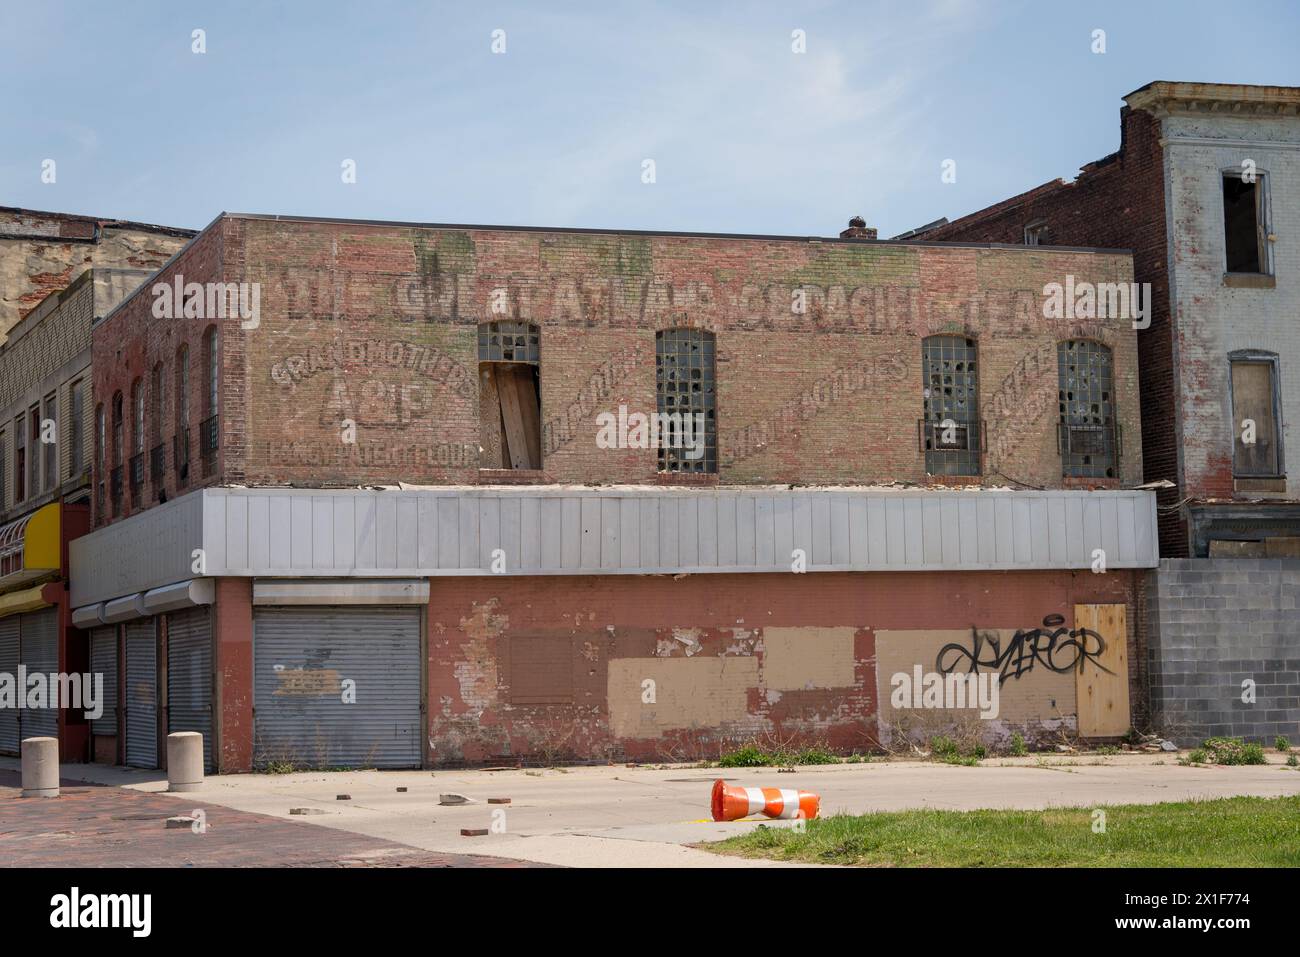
1243, 223
510, 419
540, 670
951, 430
1255, 447
685, 396
1087, 409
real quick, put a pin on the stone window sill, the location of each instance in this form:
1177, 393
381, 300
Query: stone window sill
1249, 280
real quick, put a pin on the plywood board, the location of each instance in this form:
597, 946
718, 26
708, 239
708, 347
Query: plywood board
491, 438
512, 419
1101, 681
530, 413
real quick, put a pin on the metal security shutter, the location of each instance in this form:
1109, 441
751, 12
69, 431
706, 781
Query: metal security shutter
189, 676
103, 661
39, 650
301, 657
141, 694
9, 666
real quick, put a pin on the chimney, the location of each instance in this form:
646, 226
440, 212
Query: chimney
858, 229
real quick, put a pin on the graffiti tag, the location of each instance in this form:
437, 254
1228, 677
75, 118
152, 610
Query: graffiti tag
1053, 646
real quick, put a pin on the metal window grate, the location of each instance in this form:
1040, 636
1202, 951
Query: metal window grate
509, 342
685, 384
1087, 410
951, 394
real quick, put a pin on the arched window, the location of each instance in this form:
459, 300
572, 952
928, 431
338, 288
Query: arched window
685, 392
952, 433
510, 395
209, 428
1087, 409
137, 442
101, 460
181, 441
212, 371
157, 409
115, 476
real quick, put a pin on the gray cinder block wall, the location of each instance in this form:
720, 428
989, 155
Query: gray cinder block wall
1213, 623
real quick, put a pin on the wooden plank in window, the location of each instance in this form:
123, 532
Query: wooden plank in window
530, 413
1252, 398
491, 435
513, 420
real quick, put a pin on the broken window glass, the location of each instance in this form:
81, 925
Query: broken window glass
951, 429
1087, 409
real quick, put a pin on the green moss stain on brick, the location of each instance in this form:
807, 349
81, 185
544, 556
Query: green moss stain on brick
439, 254
625, 257
844, 265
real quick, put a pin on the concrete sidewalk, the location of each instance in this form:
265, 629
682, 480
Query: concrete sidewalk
644, 817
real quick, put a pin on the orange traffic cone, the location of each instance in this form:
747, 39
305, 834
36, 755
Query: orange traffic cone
731, 804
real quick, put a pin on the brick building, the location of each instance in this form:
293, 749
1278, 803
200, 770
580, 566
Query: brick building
45, 449
1203, 190
42, 253
381, 493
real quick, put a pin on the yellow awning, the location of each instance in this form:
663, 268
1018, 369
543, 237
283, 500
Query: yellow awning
29, 599
29, 547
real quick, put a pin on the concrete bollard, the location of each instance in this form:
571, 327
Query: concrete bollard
40, 767
184, 761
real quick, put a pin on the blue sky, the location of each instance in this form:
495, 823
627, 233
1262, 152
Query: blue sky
746, 135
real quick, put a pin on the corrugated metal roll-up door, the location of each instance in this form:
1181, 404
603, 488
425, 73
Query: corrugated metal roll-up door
39, 651
103, 662
9, 666
189, 675
302, 656
141, 694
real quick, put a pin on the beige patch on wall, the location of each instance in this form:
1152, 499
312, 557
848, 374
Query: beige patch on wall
798, 659
476, 673
688, 693
1038, 695
307, 682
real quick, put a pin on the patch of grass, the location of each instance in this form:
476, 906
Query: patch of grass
746, 757
858, 759
752, 756
1018, 748
945, 749
279, 767
1233, 751
1195, 756
1108, 749
1282, 743
1292, 761
1228, 832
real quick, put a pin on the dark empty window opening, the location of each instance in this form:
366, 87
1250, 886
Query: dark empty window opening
1087, 409
510, 396
1243, 224
1256, 447
1036, 233
685, 391
951, 432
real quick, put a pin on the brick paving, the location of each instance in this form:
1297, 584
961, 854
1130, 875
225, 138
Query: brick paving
97, 826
